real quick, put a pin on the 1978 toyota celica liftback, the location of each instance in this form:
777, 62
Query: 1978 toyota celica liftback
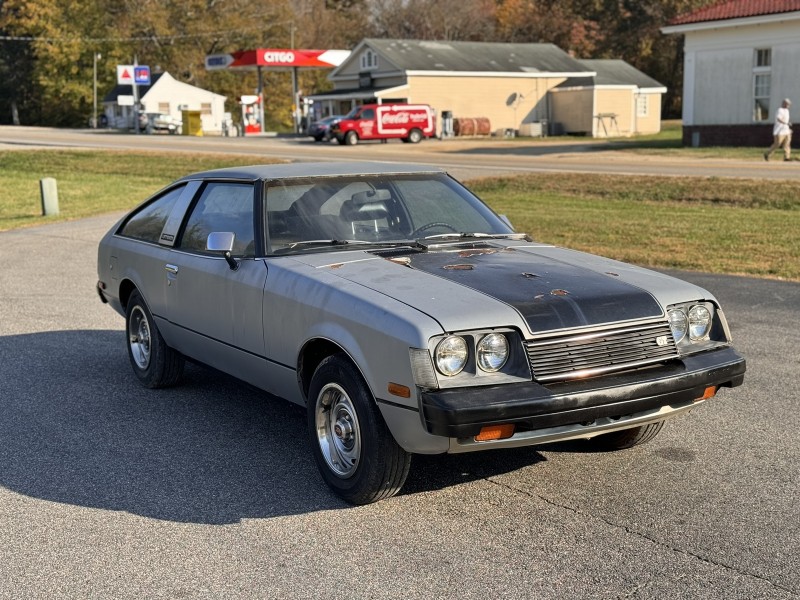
405, 315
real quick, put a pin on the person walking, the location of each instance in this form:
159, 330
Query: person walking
782, 132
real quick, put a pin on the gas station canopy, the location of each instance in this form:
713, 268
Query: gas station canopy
273, 58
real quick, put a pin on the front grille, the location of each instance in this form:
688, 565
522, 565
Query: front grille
585, 355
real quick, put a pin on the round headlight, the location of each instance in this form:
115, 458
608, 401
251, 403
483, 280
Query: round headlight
492, 352
699, 322
678, 324
451, 355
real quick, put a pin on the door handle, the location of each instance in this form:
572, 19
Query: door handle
171, 269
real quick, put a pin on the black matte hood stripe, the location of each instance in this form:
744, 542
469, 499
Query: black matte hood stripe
548, 293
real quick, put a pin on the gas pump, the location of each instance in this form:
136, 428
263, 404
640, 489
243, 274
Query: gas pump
251, 115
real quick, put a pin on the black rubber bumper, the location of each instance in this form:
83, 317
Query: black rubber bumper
462, 412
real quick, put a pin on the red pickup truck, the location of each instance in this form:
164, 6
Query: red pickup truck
407, 122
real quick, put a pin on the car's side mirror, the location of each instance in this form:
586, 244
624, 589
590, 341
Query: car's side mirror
222, 241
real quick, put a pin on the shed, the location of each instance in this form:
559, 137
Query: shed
165, 95
619, 100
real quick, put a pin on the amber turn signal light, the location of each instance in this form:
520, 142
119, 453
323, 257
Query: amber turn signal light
395, 389
495, 432
710, 392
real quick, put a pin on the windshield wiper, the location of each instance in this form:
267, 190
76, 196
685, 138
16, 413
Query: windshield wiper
464, 235
304, 243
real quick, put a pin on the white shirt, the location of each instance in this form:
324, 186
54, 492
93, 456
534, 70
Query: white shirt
782, 122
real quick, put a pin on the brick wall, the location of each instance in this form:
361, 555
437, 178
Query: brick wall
731, 135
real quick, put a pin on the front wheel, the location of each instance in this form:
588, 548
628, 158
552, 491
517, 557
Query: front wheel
627, 438
154, 363
351, 138
355, 452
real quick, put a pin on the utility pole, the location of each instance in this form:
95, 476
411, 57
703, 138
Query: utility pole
97, 56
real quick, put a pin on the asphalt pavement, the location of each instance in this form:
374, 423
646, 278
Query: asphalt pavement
209, 489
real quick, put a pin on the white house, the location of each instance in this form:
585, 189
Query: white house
164, 95
741, 60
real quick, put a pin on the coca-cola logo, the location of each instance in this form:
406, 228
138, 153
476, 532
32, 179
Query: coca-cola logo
285, 57
401, 118
394, 118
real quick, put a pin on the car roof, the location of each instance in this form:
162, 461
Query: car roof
311, 169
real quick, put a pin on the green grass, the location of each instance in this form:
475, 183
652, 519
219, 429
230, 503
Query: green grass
668, 142
703, 224
90, 182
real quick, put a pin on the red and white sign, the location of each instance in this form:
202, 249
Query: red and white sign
125, 74
277, 58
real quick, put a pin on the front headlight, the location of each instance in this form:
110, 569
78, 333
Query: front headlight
451, 355
678, 324
699, 322
697, 326
492, 352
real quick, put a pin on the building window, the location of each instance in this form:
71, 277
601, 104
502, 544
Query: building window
762, 83
642, 105
163, 107
369, 60
205, 108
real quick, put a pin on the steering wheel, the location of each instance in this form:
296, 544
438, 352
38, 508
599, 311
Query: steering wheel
427, 226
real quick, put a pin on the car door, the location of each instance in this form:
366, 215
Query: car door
214, 310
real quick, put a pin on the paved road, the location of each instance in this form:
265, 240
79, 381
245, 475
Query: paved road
464, 159
209, 490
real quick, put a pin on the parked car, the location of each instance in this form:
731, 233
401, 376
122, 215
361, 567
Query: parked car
162, 122
406, 122
321, 130
406, 316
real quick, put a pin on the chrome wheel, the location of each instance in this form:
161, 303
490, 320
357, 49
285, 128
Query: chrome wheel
338, 432
139, 338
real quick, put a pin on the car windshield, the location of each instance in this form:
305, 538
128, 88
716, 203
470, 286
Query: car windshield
321, 214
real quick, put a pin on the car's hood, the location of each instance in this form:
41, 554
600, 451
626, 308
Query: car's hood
493, 285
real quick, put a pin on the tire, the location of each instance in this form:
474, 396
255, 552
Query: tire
355, 452
415, 136
627, 438
154, 363
351, 138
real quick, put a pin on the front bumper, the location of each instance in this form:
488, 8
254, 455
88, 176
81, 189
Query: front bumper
644, 395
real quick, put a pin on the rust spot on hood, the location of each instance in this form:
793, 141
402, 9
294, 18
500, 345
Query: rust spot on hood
612, 274
530, 275
559, 293
401, 260
459, 267
336, 266
477, 252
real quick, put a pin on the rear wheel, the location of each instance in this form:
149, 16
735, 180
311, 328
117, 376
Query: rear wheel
351, 138
154, 363
414, 136
354, 449
627, 438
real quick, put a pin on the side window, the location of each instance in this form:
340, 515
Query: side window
146, 224
367, 114
222, 207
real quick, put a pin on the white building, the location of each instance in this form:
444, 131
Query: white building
164, 95
742, 58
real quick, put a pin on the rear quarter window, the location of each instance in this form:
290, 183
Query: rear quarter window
146, 223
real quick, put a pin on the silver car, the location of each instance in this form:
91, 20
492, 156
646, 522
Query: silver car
406, 316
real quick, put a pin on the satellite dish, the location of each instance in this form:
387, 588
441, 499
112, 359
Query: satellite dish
511, 99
